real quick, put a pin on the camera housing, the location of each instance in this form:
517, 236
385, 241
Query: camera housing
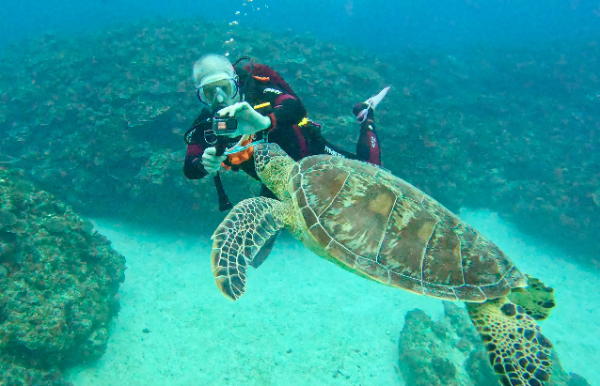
224, 126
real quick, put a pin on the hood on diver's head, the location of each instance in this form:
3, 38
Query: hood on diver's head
216, 81
214, 66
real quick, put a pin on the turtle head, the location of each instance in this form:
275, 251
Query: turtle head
273, 167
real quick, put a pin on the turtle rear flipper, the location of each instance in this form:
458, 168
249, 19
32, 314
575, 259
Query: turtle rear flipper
537, 299
519, 353
245, 230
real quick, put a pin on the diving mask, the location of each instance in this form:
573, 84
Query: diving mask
218, 89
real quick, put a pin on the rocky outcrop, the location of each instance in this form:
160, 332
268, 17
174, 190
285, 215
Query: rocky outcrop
450, 352
58, 285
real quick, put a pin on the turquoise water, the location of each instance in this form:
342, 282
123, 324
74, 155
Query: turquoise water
494, 111
379, 25
302, 321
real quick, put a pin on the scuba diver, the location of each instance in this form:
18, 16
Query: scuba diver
251, 103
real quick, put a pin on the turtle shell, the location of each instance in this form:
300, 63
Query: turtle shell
377, 225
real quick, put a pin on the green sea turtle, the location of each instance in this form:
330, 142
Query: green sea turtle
376, 225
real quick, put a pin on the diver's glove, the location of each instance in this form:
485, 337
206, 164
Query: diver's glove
249, 120
211, 161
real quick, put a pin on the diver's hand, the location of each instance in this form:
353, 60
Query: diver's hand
211, 161
249, 120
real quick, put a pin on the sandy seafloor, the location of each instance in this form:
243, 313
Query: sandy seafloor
302, 321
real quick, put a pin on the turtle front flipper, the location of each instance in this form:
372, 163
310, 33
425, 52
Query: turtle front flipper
239, 238
264, 251
519, 353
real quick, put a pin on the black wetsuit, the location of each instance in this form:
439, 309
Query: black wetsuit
285, 110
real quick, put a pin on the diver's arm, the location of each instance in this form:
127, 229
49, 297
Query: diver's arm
287, 111
196, 144
277, 111
192, 165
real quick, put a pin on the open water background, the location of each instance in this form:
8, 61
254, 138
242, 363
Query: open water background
377, 25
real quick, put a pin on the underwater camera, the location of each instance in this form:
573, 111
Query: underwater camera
224, 126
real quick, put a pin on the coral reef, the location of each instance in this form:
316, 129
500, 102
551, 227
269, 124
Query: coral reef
13, 373
98, 121
450, 352
58, 285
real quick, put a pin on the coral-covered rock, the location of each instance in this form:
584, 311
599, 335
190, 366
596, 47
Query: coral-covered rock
450, 352
98, 121
13, 373
58, 282
425, 357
